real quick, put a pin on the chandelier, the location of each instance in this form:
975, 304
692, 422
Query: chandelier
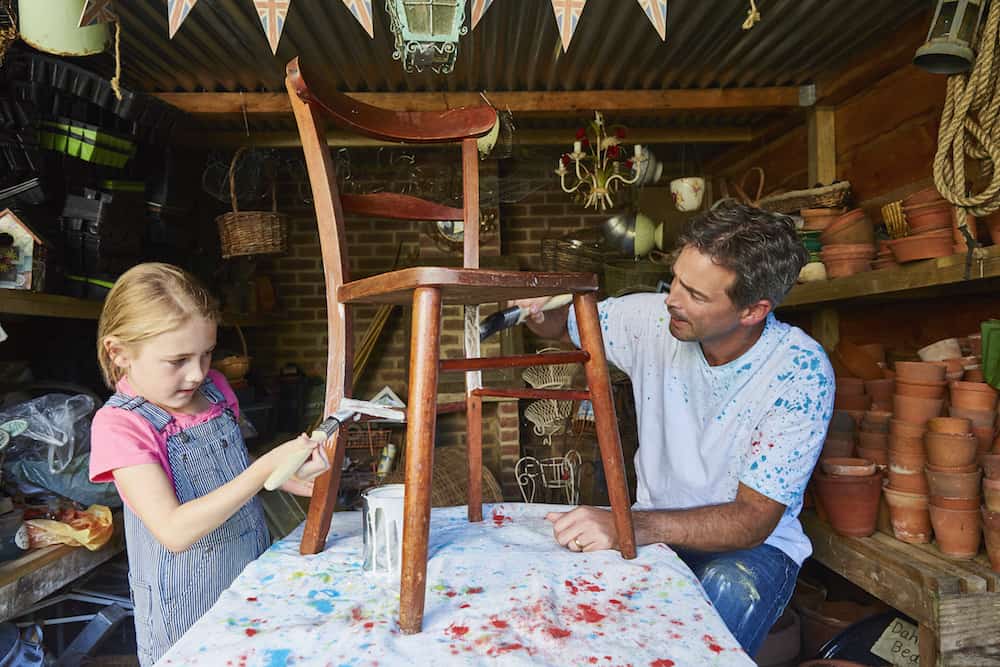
426, 32
599, 165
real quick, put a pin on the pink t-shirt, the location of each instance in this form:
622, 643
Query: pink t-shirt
120, 438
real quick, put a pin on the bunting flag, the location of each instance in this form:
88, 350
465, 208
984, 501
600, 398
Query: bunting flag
272, 15
567, 16
97, 11
479, 8
656, 11
362, 10
177, 11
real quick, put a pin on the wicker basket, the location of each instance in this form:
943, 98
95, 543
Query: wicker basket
830, 196
624, 276
367, 438
251, 232
236, 366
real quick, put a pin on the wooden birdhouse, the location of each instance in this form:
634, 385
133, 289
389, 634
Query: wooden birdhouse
22, 254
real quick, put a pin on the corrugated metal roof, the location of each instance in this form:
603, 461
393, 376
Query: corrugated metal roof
221, 46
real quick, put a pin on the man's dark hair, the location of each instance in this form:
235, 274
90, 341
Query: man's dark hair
760, 247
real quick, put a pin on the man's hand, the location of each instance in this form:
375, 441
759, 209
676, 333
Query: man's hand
551, 324
584, 529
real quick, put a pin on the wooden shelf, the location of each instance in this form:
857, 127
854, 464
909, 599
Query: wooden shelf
39, 304
915, 279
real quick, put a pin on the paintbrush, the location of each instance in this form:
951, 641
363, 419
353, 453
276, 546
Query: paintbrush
510, 317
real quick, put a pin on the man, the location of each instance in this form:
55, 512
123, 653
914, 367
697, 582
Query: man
732, 408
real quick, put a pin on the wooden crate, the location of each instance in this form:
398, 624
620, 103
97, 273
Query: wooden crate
956, 603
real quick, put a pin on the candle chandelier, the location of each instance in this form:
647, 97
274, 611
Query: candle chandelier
598, 165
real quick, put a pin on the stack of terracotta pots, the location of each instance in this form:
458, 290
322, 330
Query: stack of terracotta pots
930, 220
873, 438
907, 492
848, 244
884, 259
953, 477
977, 402
849, 490
991, 508
818, 219
841, 436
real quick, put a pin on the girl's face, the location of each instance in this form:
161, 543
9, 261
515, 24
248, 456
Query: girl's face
169, 368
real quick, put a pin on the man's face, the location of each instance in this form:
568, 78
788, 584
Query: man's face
700, 308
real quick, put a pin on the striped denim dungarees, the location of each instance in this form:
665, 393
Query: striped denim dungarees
172, 591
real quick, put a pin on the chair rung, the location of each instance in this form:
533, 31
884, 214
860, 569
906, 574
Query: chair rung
515, 361
397, 206
556, 394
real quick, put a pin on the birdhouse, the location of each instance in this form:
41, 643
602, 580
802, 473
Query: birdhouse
22, 254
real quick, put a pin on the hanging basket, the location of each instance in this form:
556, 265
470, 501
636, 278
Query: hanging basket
235, 366
251, 232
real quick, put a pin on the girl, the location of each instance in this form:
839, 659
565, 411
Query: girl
169, 439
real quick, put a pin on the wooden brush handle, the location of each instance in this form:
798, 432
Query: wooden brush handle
292, 463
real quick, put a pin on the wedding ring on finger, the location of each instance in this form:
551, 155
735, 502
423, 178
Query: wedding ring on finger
577, 543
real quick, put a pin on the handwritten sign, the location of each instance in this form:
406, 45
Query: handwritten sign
898, 644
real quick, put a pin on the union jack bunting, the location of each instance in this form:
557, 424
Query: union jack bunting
567, 16
97, 11
362, 10
177, 11
272, 15
479, 8
656, 11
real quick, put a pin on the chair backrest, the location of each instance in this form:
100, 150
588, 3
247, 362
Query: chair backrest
314, 100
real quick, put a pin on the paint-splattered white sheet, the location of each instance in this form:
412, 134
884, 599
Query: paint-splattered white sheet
500, 592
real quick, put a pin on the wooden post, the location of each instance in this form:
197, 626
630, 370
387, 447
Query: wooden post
421, 418
606, 421
474, 446
822, 145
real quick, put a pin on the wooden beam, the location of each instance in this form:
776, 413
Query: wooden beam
821, 127
289, 139
519, 102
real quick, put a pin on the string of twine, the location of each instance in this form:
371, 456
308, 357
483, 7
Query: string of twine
116, 81
969, 128
753, 16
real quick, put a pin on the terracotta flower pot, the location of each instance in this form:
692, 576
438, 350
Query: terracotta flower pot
930, 218
913, 248
835, 447
850, 385
925, 196
910, 516
991, 531
851, 502
847, 467
991, 493
956, 503
879, 456
991, 466
958, 532
899, 427
973, 375
916, 410
954, 484
850, 228
819, 218
973, 395
880, 390
985, 435
874, 350
841, 268
972, 467
906, 472
953, 368
921, 390
870, 440
919, 371
949, 425
852, 402
951, 450
907, 444
985, 418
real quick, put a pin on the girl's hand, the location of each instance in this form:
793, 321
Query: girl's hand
315, 466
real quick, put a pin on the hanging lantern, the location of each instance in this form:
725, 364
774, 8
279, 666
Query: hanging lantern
948, 49
427, 32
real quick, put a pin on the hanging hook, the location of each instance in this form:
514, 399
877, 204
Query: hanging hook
243, 106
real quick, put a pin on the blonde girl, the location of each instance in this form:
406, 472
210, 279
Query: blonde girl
170, 441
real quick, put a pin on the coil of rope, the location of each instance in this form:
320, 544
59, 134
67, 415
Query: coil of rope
970, 128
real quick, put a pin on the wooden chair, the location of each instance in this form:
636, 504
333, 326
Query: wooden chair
313, 97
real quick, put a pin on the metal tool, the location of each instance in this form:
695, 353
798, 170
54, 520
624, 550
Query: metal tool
349, 409
509, 317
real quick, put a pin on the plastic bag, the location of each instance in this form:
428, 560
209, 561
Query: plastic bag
28, 477
58, 428
90, 528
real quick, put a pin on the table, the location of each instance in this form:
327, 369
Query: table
499, 592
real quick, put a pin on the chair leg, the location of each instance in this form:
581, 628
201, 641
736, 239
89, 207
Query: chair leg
421, 416
474, 446
605, 419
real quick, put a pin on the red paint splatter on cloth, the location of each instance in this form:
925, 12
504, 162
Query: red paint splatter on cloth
356, 614
474, 590
499, 518
505, 648
251, 599
498, 623
250, 632
451, 594
369, 625
712, 645
573, 590
589, 614
457, 631
464, 605
558, 633
662, 662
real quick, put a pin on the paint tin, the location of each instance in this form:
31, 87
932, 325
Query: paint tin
382, 527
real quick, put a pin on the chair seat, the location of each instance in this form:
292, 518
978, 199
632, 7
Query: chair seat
463, 286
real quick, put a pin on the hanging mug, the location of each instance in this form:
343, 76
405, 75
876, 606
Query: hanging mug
687, 192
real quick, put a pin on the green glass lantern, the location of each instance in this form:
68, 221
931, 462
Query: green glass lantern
948, 49
427, 32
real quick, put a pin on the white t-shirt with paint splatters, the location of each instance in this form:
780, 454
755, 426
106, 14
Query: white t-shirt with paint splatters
760, 419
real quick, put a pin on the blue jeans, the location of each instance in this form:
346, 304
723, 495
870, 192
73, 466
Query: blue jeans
748, 588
